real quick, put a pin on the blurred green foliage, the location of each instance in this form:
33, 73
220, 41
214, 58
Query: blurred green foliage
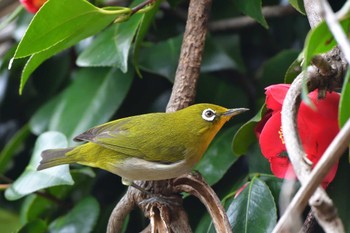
76, 69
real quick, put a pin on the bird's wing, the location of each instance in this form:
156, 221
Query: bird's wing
128, 137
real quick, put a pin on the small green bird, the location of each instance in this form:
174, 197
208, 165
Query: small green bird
153, 146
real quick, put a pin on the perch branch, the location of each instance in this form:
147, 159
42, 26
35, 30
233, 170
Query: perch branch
194, 184
120, 211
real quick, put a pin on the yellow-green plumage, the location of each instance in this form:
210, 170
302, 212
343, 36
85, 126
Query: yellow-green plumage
146, 147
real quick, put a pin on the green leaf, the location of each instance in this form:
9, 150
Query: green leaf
9, 221
12, 146
59, 20
344, 105
223, 88
245, 136
257, 162
218, 158
254, 210
152, 58
276, 67
293, 70
40, 120
298, 5
274, 183
68, 21
32, 180
320, 40
35, 226
339, 191
216, 57
252, 8
89, 95
145, 23
34, 207
111, 47
82, 218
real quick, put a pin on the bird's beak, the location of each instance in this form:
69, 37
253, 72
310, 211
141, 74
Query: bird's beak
234, 111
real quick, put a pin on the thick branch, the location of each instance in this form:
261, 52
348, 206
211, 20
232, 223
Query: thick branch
187, 73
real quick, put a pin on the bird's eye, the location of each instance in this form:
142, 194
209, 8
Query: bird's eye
208, 114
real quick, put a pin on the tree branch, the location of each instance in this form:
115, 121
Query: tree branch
245, 21
194, 184
188, 69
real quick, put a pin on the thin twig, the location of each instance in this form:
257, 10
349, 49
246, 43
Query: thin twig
141, 6
245, 21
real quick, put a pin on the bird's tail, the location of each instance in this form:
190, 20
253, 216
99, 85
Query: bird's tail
55, 157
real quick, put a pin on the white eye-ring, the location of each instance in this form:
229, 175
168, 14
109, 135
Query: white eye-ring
208, 114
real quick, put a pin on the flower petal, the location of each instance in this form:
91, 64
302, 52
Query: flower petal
275, 95
281, 167
271, 139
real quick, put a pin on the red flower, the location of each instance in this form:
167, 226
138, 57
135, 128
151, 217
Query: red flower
317, 128
32, 5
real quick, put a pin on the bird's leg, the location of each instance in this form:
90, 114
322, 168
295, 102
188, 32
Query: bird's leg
153, 197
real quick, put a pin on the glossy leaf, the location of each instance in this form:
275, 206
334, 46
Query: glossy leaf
344, 106
216, 57
152, 58
245, 136
293, 71
145, 23
41, 179
274, 184
257, 163
9, 221
253, 9
339, 191
89, 95
218, 158
81, 218
34, 207
254, 210
35, 226
39, 122
298, 5
275, 68
320, 40
58, 20
12, 146
68, 21
111, 47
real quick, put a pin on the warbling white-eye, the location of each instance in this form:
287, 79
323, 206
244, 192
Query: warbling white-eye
153, 146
